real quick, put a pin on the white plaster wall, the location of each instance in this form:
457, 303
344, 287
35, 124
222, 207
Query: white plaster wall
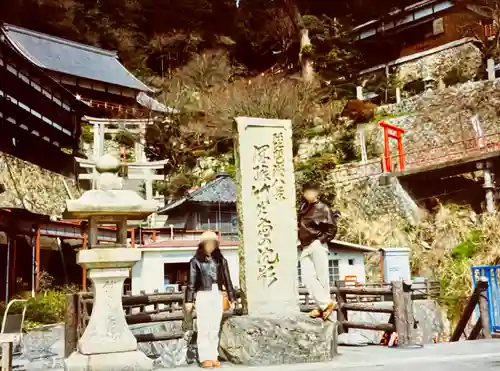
234, 265
148, 273
358, 269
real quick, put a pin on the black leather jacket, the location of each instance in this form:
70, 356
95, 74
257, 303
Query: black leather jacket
199, 278
316, 222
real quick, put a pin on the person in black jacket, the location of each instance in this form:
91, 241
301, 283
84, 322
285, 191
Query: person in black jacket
317, 227
208, 278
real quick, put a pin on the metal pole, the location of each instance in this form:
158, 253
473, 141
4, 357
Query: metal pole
489, 188
33, 267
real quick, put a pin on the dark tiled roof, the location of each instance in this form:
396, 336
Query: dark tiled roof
220, 190
67, 57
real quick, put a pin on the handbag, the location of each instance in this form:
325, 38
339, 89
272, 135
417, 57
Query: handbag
226, 304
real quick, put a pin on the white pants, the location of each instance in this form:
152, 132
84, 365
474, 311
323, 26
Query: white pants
209, 316
314, 269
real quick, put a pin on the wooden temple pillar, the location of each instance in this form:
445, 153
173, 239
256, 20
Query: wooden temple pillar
37, 259
84, 270
12, 246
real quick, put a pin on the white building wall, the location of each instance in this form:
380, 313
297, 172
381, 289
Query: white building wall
357, 269
148, 273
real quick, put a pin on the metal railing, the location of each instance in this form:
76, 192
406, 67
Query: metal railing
491, 274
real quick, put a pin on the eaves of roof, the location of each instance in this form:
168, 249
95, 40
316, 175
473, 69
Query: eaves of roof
67, 57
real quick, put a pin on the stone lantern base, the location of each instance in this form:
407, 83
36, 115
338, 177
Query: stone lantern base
107, 343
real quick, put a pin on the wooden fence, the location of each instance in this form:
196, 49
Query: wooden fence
479, 297
143, 309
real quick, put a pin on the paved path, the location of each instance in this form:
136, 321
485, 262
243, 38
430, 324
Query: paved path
462, 356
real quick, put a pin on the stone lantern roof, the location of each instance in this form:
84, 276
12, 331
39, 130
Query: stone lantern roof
109, 199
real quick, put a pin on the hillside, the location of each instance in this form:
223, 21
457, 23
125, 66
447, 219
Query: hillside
213, 61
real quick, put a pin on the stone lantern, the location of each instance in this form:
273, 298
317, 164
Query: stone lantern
107, 343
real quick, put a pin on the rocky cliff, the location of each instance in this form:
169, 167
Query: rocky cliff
35, 189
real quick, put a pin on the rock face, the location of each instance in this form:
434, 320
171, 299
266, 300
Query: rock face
34, 188
465, 57
167, 353
258, 341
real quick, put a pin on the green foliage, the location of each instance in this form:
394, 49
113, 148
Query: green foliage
454, 279
125, 139
307, 50
45, 308
178, 184
467, 248
87, 134
316, 170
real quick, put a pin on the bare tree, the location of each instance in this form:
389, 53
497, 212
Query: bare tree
306, 47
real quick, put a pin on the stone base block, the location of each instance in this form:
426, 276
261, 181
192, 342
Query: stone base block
259, 341
125, 361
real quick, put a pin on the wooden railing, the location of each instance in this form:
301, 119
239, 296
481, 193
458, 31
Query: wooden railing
479, 297
162, 307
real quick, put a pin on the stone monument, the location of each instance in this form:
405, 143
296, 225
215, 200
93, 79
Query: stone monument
107, 343
274, 331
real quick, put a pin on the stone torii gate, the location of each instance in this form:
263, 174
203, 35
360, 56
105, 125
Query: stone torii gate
136, 171
139, 170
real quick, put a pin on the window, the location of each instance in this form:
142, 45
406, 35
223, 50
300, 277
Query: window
351, 261
224, 221
333, 271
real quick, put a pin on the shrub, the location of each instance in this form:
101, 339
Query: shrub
45, 308
359, 111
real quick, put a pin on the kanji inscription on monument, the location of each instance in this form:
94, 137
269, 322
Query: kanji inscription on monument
267, 210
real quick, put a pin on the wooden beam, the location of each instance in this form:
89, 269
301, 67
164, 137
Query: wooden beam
484, 317
132, 238
84, 268
369, 326
13, 245
70, 324
7, 356
368, 307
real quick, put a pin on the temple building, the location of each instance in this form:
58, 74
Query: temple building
93, 75
47, 85
428, 40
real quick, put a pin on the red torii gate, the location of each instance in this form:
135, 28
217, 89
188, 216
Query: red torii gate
392, 132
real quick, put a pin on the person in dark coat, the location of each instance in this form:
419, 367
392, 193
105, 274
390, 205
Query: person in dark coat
317, 226
208, 278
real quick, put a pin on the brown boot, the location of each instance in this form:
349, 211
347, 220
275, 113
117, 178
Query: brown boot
207, 364
329, 310
216, 364
315, 313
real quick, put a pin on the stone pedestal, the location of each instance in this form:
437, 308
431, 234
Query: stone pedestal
262, 341
107, 343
